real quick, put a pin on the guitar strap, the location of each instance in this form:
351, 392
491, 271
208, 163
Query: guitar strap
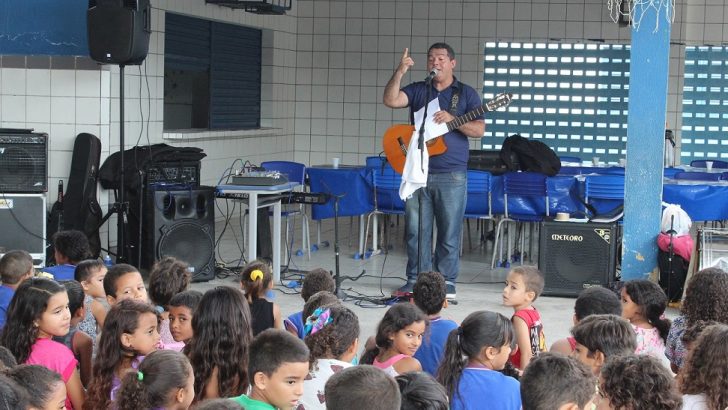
455, 99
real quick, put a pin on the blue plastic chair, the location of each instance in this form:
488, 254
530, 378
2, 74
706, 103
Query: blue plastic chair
296, 172
700, 163
608, 190
385, 184
698, 176
520, 185
479, 201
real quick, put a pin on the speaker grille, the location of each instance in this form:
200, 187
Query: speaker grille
190, 242
576, 256
23, 163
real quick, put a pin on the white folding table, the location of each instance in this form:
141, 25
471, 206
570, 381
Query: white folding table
261, 197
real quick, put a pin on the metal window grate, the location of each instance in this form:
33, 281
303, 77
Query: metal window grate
572, 96
705, 98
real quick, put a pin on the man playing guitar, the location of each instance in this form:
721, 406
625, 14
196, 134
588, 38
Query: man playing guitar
443, 199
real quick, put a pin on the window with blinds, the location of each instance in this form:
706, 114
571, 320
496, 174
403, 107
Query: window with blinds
705, 98
571, 96
212, 74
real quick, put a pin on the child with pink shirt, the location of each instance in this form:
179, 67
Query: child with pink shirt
39, 311
399, 335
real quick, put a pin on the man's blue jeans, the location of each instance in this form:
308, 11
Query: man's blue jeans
443, 200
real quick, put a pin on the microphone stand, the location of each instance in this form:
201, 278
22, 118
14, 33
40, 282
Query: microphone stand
337, 273
421, 147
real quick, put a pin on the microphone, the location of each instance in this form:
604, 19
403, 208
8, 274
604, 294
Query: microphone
432, 75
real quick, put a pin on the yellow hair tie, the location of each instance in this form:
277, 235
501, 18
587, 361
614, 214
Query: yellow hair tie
256, 274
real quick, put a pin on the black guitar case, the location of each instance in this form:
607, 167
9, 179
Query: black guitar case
81, 209
54, 224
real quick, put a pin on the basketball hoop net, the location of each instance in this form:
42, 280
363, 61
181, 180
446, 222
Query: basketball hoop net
634, 11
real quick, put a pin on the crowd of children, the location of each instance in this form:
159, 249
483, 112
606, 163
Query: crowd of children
100, 339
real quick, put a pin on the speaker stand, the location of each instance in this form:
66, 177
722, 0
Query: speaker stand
120, 207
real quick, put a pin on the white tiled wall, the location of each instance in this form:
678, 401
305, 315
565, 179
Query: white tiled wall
325, 65
353, 46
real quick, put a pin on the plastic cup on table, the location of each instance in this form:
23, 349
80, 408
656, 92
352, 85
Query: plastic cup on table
335, 162
709, 165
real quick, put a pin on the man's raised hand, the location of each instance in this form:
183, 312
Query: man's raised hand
406, 61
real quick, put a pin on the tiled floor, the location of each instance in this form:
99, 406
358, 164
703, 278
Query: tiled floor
478, 288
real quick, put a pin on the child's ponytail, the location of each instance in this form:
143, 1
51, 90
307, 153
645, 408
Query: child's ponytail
330, 331
133, 393
652, 302
369, 355
479, 330
452, 364
255, 279
149, 387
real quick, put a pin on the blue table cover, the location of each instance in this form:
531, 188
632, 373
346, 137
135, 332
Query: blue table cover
351, 182
703, 202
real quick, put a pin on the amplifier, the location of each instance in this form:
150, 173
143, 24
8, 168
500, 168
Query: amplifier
575, 256
23, 225
23, 161
178, 172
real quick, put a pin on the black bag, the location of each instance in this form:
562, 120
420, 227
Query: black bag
533, 156
486, 160
672, 281
139, 158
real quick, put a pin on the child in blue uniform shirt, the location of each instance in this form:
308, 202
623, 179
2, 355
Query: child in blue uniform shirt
429, 296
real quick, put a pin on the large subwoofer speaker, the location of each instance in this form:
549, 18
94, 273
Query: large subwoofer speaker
118, 31
575, 256
178, 221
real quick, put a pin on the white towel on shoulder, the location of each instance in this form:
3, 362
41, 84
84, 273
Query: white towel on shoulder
414, 175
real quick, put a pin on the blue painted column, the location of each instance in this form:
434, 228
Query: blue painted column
649, 66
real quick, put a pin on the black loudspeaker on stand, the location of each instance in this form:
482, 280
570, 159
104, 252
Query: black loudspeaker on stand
575, 256
177, 221
118, 33
119, 30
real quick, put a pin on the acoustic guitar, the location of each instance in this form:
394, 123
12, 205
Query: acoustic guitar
397, 137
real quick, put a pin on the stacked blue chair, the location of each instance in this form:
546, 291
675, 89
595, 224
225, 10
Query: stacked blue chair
604, 192
698, 176
701, 163
479, 200
296, 172
520, 186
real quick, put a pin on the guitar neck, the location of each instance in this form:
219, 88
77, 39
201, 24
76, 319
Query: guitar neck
501, 100
467, 117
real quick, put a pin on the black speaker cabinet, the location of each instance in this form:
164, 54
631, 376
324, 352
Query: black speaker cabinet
23, 161
23, 224
575, 256
118, 31
178, 222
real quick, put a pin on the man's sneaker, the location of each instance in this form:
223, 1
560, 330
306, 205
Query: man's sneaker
405, 290
450, 291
